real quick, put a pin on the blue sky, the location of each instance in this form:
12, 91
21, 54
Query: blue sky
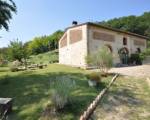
43, 17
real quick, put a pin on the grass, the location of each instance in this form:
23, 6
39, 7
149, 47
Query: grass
31, 91
128, 98
47, 57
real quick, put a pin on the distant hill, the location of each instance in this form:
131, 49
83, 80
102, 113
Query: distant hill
135, 24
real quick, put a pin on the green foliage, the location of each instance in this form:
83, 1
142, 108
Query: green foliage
44, 43
38, 45
145, 53
55, 38
135, 24
17, 51
61, 93
4, 53
3, 62
48, 57
148, 44
31, 90
6, 9
102, 59
94, 76
135, 58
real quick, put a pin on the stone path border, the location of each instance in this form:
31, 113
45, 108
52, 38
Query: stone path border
86, 115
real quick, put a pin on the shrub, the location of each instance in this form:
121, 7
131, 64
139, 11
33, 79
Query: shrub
102, 59
94, 76
3, 63
61, 92
135, 59
145, 53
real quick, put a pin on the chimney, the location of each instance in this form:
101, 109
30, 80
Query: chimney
74, 23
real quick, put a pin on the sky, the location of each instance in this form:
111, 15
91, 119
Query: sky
43, 17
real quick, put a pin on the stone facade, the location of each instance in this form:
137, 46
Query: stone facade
74, 53
80, 40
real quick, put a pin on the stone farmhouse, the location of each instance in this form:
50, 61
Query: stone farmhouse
80, 40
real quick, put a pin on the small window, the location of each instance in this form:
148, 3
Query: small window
124, 41
138, 50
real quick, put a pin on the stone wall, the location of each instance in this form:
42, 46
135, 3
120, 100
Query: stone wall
99, 37
75, 36
79, 41
63, 41
76, 50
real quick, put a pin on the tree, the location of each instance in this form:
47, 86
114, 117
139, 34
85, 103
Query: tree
44, 43
135, 24
1, 58
3, 52
7, 7
17, 51
38, 45
55, 38
102, 59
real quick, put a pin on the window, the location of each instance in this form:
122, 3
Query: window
124, 41
138, 50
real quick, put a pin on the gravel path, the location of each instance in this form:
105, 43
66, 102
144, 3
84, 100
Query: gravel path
136, 71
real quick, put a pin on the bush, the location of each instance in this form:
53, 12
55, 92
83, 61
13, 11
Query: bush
102, 59
145, 53
94, 76
3, 63
135, 59
61, 92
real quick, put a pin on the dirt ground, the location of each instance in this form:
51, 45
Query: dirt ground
136, 71
127, 99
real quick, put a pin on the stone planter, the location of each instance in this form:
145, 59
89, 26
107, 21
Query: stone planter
92, 83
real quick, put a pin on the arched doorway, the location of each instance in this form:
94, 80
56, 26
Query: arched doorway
123, 54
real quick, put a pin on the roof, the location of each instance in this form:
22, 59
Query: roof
109, 28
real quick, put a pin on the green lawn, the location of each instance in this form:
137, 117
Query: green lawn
31, 91
46, 58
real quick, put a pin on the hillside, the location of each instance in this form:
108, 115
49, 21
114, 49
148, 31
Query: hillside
48, 57
135, 24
